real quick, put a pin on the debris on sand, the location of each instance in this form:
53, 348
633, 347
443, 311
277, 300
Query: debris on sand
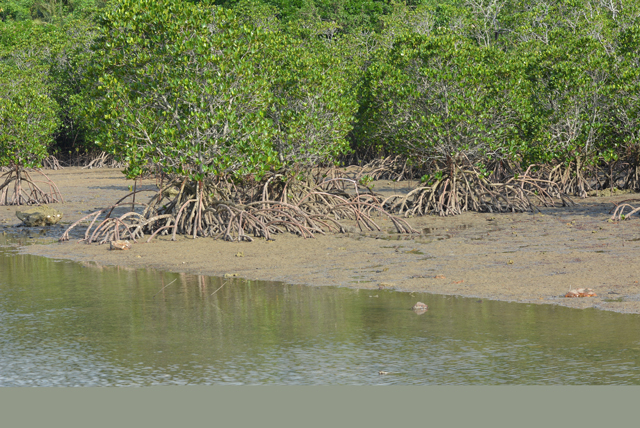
581, 292
120, 245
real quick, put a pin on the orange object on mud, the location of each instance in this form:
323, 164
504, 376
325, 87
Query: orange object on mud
581, 292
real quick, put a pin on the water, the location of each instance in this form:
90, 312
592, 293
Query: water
66, 324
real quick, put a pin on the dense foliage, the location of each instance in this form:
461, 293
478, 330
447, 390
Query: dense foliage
435, 97
27, 119
240, 89
28, 113
198, 92
51, 11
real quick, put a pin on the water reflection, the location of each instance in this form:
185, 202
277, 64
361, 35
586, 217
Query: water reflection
62, 323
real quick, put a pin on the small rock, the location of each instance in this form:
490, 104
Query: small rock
120, 245
420, 307
41, 215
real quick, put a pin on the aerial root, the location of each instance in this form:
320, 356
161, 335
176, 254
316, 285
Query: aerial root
101, 160
568, 180
466, 189
187, 208
18, 188
51, 162
393, 168
89, 160
546, 192
620, 207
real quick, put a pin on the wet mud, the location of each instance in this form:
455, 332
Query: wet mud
525, 257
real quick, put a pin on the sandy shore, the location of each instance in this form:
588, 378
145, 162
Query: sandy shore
532, 258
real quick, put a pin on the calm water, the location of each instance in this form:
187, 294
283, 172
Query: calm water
65, 324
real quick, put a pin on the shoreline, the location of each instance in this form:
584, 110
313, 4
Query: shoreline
529, 258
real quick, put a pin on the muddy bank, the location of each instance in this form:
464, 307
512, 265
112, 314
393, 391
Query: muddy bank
533, 258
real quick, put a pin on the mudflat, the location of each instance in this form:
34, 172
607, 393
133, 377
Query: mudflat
523, 257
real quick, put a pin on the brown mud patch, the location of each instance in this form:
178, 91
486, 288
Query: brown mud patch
522, 257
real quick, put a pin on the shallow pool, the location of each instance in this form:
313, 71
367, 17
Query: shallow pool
67, 324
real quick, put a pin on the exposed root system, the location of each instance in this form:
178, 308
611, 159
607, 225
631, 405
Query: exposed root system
222, 210
545, 192
18, 188
568, 180
630, 176
51, 162
462, 189
623, 209
102, 160
393, 168
92, 159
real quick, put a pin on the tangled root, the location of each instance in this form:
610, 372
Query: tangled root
101, 160
19, 188
568, 180
545, 192
88, 160
621, 174
620, 210
51, 162
467, 189
224, 211
393, 168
